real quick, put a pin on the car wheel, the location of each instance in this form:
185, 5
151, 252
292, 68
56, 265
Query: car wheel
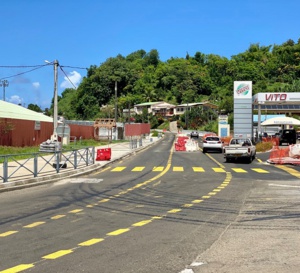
204, 150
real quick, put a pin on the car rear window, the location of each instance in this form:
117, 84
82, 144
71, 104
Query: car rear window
212, 139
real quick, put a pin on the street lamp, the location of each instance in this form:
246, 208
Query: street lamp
4, 83
54, 136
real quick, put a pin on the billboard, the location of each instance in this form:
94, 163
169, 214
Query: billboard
242, 90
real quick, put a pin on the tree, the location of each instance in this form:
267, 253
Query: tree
34, 107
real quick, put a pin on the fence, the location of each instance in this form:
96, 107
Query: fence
41, 164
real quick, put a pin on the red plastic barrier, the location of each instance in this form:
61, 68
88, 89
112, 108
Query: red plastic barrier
103, 154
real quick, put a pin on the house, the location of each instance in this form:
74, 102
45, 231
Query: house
180, 109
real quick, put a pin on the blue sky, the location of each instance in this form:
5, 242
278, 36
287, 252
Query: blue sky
81, 33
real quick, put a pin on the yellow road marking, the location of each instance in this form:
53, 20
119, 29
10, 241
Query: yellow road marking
18, 268
157, 217
174, 210
205, 196
198, 169
187, 205
239, 170
177, 169
141, 223
197, 201
217, 190
57, 217
75, 210
219, 170
118, 232
259, 170
103, 200
57, 254
34, 224
158, 169
7, 233
212, 193
138, 169
118, 169
91, 242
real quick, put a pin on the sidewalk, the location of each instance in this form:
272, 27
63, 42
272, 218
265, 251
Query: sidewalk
118, 152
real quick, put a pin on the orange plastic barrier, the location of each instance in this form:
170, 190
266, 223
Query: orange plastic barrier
103, 154
279, 156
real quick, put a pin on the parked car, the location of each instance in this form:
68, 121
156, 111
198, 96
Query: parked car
212, 143
194, 134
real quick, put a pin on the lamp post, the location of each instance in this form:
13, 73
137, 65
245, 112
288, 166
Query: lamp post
4, 83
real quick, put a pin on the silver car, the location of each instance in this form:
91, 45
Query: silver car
212, 143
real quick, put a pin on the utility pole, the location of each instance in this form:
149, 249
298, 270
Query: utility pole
116, 101
54, 136
4, 83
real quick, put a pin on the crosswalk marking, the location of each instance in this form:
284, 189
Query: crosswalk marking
195, 169
138, 169
239, 170
177, 169
198, 169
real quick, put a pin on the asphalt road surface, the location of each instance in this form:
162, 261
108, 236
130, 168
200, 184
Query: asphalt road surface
156, 211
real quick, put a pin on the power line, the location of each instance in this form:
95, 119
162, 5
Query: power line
67, 77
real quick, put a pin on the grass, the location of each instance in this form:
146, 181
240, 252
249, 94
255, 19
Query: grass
264, 146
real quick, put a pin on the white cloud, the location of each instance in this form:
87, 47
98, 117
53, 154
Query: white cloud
36, 85
15, 99
74, 77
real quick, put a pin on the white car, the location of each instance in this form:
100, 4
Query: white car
212, 143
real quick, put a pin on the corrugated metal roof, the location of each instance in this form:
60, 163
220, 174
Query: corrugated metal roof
11, 110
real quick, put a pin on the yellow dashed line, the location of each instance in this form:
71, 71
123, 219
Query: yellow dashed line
7, 233
197, 201
174, 210
103, 200
118, 169
91, 242
187, 205
34, 224
212, 193
205, 196
259, 170
57, 217
217, 190
118, 232
141, 223
57, 254
18, 268
239, 170
76, 211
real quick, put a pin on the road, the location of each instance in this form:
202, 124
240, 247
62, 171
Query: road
156, 211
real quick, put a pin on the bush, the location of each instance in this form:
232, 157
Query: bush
264, 146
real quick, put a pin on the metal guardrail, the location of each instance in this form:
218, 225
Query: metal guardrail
39, 164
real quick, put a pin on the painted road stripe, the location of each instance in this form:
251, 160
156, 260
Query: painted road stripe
259, 170
75, 210
18, 268
34, 224
197, 201
206, 196
138, 169
187, 205
141, 223
57, 254
91, 242
118, 232
177, 169
118, 169
198, 169
7, 233
239, 170
103, 200
217, 190
158, 169
219, 170
174, 210
212, 193
57, 217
